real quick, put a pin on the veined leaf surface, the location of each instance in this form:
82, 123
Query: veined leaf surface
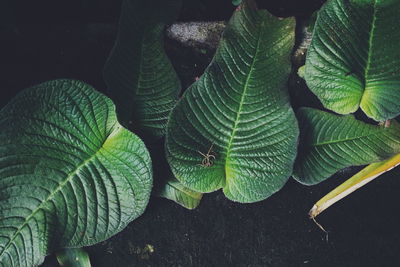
329, 143
239, 112
354, 57
141, 80
70, 174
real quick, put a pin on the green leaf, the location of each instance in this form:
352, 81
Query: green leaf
175, 191
165, 184
300, 71
141, 80
329, 143
239, 112
70, 174
354, 58
236, 2
73, 257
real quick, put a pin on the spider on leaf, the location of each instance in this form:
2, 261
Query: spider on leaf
207, 158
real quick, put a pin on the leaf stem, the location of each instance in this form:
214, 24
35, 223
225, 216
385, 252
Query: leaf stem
360, 179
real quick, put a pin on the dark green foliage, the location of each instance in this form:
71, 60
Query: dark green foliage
141, 80
354, 58
238, 113
70, 174
329, 143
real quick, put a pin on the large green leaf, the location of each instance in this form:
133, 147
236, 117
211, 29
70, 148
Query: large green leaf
239, 111
354, 58
141, 80
329, 143
70, 174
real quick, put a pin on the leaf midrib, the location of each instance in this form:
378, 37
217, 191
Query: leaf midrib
246, 85
369, 49
343, 140
58, 189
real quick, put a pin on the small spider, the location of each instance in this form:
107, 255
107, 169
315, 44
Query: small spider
207, 160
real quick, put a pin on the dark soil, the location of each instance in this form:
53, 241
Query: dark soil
42, 40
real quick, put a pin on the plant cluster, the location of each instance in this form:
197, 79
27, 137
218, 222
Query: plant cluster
73, 171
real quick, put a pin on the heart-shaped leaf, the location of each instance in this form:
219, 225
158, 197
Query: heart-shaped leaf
141, 80
234, 128
70, 174
354, 57
329, 143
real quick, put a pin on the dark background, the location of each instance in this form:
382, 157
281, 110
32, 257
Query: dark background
47, 39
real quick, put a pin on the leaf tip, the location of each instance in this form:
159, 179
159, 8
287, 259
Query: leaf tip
314, 211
